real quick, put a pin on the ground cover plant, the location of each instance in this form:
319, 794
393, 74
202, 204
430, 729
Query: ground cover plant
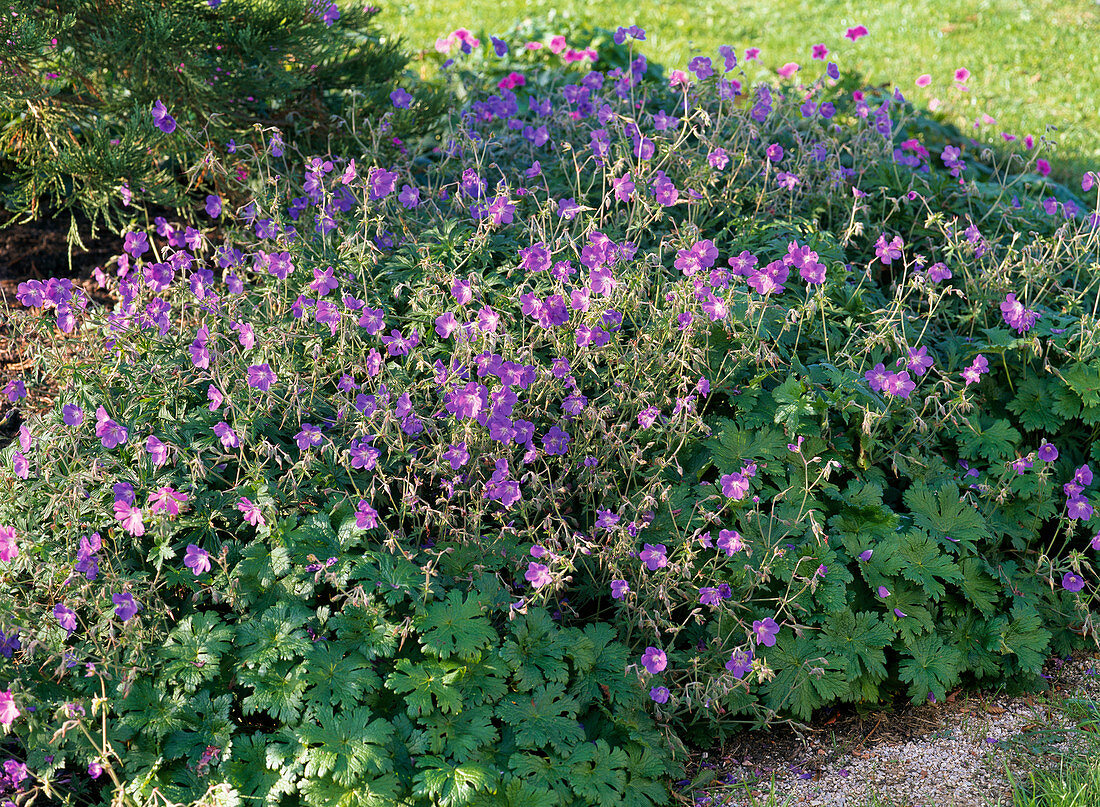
650, 403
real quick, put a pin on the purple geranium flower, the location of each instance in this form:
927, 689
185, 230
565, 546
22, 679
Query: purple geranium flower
1072, 582
197, 559
65, 617
161, 119
401, 98
659, 694
125, 606
1016, 316
619, 589
765, 630
72, 414
740, 662
227, 436
654, 557
110, 433
654, 660
261, 376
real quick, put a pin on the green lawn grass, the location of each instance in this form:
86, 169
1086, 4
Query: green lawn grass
1034, 63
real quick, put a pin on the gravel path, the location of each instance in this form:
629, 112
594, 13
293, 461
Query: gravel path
960, 764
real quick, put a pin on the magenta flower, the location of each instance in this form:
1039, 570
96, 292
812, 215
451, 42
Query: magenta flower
382, 183
883, 592
654, 660
15, 390
409, 197
310, 435
856, 32
1078, 507
938, 272
774, 152
196, 559
8, 710
157, 450
820, 52
619, 589
251, 512
734, 486
72, 414
130, 516
623, 187
889, 251
125, 606
730, 542
653, 557
919, 361
900, 614
765, 631
898, 385
709, 595
166, 500
701, 255
648, 416
537, 575
973, 373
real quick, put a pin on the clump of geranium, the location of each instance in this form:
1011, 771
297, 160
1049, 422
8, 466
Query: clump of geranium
566, 350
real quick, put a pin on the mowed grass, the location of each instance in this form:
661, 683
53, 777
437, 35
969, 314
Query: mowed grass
1034, 64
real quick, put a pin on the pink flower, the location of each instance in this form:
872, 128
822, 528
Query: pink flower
8, 548
855, 33
8, 709
251, 512
131, 518
789, 69
538, 575
962, 75
820, 51
166, 500
678, 78
557, 44
924, 80
973, 373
